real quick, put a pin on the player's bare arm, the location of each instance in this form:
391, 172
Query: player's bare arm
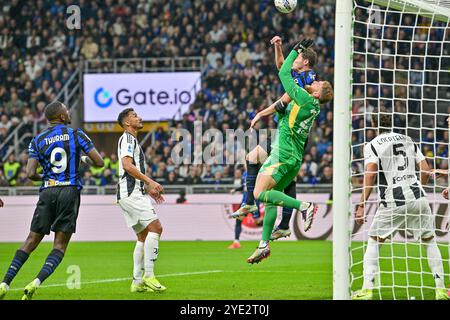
445, 194
1, 203
425, 172
153, 188
278, 46
370, 177
284, 100
439, 172
32, 166
94, 159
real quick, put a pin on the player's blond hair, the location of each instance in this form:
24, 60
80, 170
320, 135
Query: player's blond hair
326, 94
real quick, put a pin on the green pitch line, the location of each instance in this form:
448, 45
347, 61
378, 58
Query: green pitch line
190, 270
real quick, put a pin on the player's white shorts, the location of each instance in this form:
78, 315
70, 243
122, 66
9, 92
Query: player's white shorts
138, 211
415, 217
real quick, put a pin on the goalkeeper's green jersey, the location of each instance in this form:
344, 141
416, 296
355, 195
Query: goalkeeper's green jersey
296, 120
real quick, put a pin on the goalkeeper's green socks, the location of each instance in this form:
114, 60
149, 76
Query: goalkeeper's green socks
270, 215
278, 198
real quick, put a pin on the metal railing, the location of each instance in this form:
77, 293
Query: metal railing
68, 95
127, 65
169, 189
72, 92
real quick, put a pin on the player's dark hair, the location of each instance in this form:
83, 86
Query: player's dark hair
53, 110
382, 121
310, 55
123, 114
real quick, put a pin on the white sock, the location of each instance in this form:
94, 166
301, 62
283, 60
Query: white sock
435, 262
150, 253
370, 263
138, 262
304, 205
6, 286
263, 243
37, 282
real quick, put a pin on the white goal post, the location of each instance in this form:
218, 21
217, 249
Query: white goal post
429, 102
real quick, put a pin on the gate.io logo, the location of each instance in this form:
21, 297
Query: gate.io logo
102, 98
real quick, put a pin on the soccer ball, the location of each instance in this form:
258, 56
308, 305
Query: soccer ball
285, 6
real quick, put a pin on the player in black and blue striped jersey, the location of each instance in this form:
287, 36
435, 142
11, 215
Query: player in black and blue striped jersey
303, 75
58, 149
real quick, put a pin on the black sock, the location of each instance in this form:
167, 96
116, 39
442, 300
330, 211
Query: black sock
257, 214
237, 229
287, 212
252, 173
17, 263
51, 263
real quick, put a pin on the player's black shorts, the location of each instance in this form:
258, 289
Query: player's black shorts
264, 141
56, 210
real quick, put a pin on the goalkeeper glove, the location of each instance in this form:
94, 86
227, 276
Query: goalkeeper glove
303, 45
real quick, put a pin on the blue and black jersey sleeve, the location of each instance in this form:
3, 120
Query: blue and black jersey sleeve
33, 150
84, 141
304, 78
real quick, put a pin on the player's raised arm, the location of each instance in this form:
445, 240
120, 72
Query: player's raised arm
278, 47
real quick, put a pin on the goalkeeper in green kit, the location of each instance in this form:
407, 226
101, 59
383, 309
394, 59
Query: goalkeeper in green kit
282, 166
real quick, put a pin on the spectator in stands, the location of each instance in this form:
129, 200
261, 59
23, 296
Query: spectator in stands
90, 48
11, 169
3, 181
114, 165
241, 75
242, 55
326, 176
88, 180
194, 177
108, 178
5, 122
212, 57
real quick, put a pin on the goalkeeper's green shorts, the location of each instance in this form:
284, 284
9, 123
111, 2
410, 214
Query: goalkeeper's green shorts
283, 171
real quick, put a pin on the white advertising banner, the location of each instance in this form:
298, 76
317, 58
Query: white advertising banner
154, 96
203, 217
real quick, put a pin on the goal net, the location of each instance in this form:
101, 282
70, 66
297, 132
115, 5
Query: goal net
400, 66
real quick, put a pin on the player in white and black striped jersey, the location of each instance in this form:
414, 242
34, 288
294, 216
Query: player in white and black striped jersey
394, 158
134, 190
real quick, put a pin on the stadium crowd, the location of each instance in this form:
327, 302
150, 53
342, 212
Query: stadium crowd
37, 57
240, 77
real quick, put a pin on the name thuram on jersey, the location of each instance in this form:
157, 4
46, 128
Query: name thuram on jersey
58, 150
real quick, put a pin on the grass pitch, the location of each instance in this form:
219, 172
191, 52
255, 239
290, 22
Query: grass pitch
190, 270
401, 278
